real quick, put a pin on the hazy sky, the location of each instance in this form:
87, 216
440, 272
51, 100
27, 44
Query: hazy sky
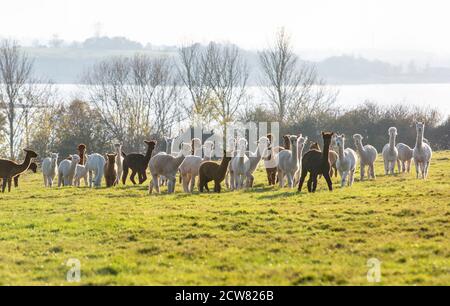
344, 25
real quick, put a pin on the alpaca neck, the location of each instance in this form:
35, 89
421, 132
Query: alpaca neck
119, 152
326, 150
359, 146
53, 165
179, 160
419, 140
23, 166
300, 151
341, 152
198, 152
223, 167
392, 143
148, 155
294, 156
73, 166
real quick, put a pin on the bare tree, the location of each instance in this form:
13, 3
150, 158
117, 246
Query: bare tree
294, 89
20, 93
227, 78
194, 75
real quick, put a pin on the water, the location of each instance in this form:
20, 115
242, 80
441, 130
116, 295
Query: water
423, 95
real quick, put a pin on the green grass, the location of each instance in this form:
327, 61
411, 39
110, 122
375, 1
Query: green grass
265, 236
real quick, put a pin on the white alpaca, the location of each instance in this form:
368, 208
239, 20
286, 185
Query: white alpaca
346, 163
288, 163
66, 170
81, 173
167, 165
240, 165
255, 157
95, 165
119, 161
368, 155
422, 152
49, 167
301, 143
405, 156
190, 166
390, 152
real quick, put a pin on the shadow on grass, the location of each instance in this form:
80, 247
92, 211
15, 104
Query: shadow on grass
286, 194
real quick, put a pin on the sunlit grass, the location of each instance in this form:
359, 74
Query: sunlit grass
265, 236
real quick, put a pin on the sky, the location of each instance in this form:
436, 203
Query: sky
344, 25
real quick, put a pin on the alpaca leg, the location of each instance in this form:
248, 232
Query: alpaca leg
335, 171
132, 176
217, 187
427, 166
344, 178
314, 182
417, 168
408, 166
124, 174
281, 178
185, 181
363, 170
310, 181
302, 181
290, 179
142, 176
386, 167
352, 177
4, 184
372, 171
192, 187
206, 186
329, 182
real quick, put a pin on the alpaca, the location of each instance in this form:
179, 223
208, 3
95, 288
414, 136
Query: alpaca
367, 155
240, 165
255, 158
390, 152
10, 169
332, 157
288, 163
66, 171
317, 163
405, 156
137, 163
346, 164
111, 170
422, 152
32, 167
287, 142
82, 153
212, 171
95, 164
119, 162
301, 143
49, 168
270, 161
167, 165
190, 165
81, 172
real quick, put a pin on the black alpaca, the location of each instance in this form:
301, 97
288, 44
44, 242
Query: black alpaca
317, 163
138, 163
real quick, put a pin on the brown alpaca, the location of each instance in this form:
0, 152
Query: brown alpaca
138, 163
10, 169
287, 142
333, 157
82, 153
211, 171
111, 170
317, 163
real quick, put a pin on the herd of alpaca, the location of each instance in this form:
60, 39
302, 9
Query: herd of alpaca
284, 164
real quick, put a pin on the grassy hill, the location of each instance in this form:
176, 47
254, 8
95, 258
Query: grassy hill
264, 236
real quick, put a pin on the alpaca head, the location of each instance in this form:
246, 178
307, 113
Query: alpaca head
82, 147
111, 158
117, 145
263, 145
33, 167
30, 153
302, 141
185, 148
340, 141
287, 140
420, 126
242, 144
75, 158
227, 155
54, 156
196, 143
358, 138
150, 143
209, 145
293, 139
270, 138
393, 131
314, 146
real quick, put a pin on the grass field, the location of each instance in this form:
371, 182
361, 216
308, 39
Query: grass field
265, 236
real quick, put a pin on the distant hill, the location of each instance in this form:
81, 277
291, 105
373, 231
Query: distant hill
65, 63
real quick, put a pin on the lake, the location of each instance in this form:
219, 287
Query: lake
423, 95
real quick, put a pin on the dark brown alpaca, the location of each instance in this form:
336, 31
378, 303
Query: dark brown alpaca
82, 153
138, 163
287, 142
111, 170
10, 169
212, 171
317, 163
332, 157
